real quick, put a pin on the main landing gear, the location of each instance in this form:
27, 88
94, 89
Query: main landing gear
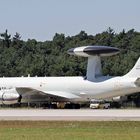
63, 105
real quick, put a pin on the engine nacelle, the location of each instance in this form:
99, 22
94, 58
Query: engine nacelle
7, 97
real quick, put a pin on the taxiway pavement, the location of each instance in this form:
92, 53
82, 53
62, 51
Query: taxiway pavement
70, 115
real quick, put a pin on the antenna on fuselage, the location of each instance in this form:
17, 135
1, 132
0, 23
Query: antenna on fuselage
94, 54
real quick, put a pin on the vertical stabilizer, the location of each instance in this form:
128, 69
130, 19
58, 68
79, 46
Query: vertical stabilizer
93, 67
135, 71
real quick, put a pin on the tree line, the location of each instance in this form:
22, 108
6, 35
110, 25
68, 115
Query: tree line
50, 58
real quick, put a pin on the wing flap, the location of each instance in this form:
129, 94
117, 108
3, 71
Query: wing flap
63, 94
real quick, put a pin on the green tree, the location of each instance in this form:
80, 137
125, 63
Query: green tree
6, 38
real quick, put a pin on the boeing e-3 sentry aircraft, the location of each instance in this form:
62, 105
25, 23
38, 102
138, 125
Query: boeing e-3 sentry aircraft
73, 89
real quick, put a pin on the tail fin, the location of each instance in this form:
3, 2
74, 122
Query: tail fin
135, 71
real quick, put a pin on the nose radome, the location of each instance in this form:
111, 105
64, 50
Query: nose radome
87, 51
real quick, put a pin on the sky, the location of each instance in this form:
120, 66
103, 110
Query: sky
41, 19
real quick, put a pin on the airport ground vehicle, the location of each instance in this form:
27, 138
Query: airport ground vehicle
96, 104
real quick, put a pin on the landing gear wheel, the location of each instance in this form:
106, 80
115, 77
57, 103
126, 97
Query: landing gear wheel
72, 106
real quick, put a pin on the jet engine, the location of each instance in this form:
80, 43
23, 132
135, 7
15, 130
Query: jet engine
7, 97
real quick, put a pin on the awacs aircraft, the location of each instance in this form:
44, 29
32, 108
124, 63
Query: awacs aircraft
73, 89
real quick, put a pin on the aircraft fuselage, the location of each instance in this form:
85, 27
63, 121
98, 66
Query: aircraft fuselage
102, 87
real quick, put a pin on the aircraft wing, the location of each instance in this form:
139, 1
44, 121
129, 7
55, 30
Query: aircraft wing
38, 95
